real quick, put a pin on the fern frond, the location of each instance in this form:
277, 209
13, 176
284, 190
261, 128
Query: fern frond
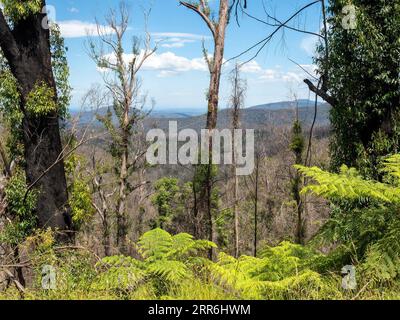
383, 257
392, 166
119, 273
169, 270
347, 185
155, 244
184, 245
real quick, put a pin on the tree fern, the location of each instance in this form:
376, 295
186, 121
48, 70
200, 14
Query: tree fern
374, 229
279, 273
166, 261
170, 270
155, 244
159, 244
392, 167
348, 184
119, 273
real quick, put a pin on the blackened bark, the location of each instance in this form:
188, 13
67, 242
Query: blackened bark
27, 51
106, 236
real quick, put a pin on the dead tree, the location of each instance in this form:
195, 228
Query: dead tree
120, 76
218, 30
252, 183
237, 102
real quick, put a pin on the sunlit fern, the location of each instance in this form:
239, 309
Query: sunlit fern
373, 230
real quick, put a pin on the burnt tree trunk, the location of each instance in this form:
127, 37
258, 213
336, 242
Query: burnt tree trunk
27, 50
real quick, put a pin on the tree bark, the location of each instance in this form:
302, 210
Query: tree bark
321, 93
237, 101
236, 211
122, 221
256, 206
218, 30
213, 99
27, 50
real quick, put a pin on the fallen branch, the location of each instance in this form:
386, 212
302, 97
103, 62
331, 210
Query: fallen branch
19, 286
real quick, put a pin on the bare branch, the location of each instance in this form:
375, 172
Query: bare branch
202, 13
262, 43
302, 68
321, 93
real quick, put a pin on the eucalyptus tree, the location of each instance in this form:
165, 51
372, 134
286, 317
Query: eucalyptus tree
120, 75
217, 27
36, 80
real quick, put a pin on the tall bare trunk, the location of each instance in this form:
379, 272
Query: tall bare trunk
237, 101
213, 100
236, 212
218, 30
106, 236
122, 219
256, 206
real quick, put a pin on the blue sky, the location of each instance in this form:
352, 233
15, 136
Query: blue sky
176, 77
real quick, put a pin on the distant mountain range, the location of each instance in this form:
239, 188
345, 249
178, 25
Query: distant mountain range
301, 103
271, 114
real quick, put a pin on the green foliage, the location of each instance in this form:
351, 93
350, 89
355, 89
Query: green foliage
20, 9
60, 70
9, 109
362, 75
297, 147
223, 219
199, 187
119, 274
173, 267
80, 201
41, 100
166, 261
167, 200
20, 210
279, 273
159, 244
348, 184
80, 197
367, 220
297, 144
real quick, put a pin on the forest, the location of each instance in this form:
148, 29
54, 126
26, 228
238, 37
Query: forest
116, 200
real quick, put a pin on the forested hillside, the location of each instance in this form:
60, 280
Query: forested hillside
121, 200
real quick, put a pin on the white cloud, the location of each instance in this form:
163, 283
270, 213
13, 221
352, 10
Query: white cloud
277, 74
78, 29
179, 43
176, 39
170, 64
310, 68
167, 63
269, 74
292, 77
166, 35
251, 67
73, 10
309, 44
